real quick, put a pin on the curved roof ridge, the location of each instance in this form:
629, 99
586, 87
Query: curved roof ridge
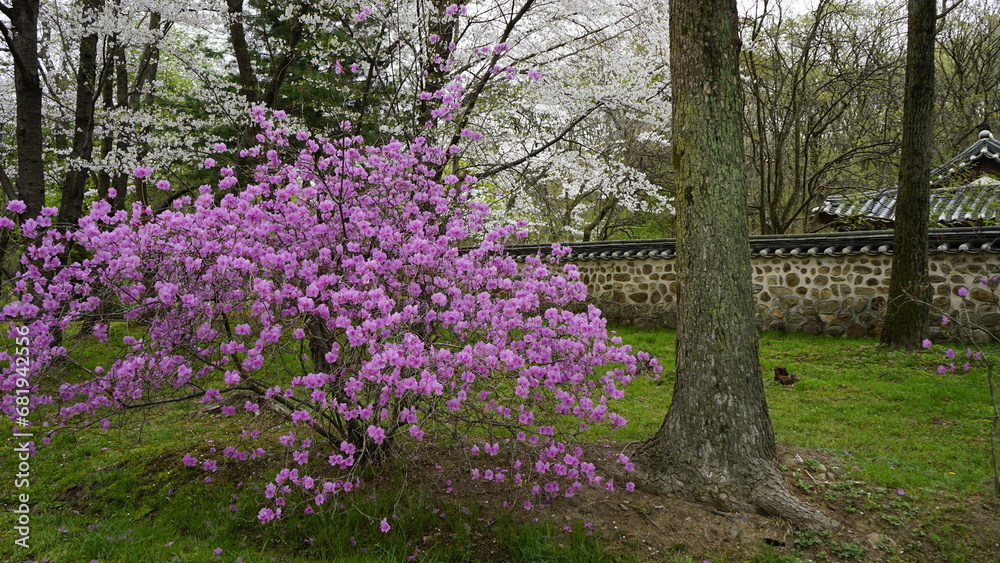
986, 147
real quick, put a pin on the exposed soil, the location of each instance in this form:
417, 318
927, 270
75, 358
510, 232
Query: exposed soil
876, 525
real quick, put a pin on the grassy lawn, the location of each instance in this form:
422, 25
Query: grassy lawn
888, 412
907, 438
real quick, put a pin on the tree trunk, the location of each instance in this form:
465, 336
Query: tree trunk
716, 444
22, 39
435, 75
71, 206
906, 317
237, 35
123, 101
281, 66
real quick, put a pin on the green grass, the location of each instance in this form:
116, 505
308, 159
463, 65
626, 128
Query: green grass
888, 413
99, 498
886, 416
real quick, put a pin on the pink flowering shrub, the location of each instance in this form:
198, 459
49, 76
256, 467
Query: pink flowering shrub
347, 288
964, 328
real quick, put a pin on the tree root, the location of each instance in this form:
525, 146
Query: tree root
775, 500
763, 491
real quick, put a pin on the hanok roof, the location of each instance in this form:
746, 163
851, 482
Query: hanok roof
973, 203
973, 198
982, 157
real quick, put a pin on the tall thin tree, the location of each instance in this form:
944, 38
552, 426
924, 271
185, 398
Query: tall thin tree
22, 40
907, 313
75, 184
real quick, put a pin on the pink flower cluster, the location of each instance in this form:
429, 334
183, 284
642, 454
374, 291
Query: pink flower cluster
950, 353
403, 313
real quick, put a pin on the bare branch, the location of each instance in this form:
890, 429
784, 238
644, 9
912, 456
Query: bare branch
945, 9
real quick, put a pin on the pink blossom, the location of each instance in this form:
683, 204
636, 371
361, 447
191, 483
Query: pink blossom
376, 433
16, 205
266, 515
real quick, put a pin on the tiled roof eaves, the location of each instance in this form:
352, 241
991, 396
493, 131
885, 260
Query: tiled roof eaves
954, 240
964, 203
986, 147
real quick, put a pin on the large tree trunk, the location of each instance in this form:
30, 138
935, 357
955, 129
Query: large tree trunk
716, 444
906, 317
22, 40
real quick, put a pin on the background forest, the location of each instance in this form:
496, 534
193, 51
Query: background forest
570, 97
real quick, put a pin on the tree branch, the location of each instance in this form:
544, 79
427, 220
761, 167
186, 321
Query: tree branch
566, 130
8, 186
473, 97
945, 10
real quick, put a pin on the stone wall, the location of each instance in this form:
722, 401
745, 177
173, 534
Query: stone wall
817, 294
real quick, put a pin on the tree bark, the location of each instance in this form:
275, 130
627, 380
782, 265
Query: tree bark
716, 444
284, 62
435, 74
22, 39
907, 313
237, 35
71, 205
123, 101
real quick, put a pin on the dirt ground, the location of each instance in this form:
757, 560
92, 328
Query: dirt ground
952, 530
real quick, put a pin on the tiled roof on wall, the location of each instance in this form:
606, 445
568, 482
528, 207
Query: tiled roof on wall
977, 201
952, 241
971, 192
